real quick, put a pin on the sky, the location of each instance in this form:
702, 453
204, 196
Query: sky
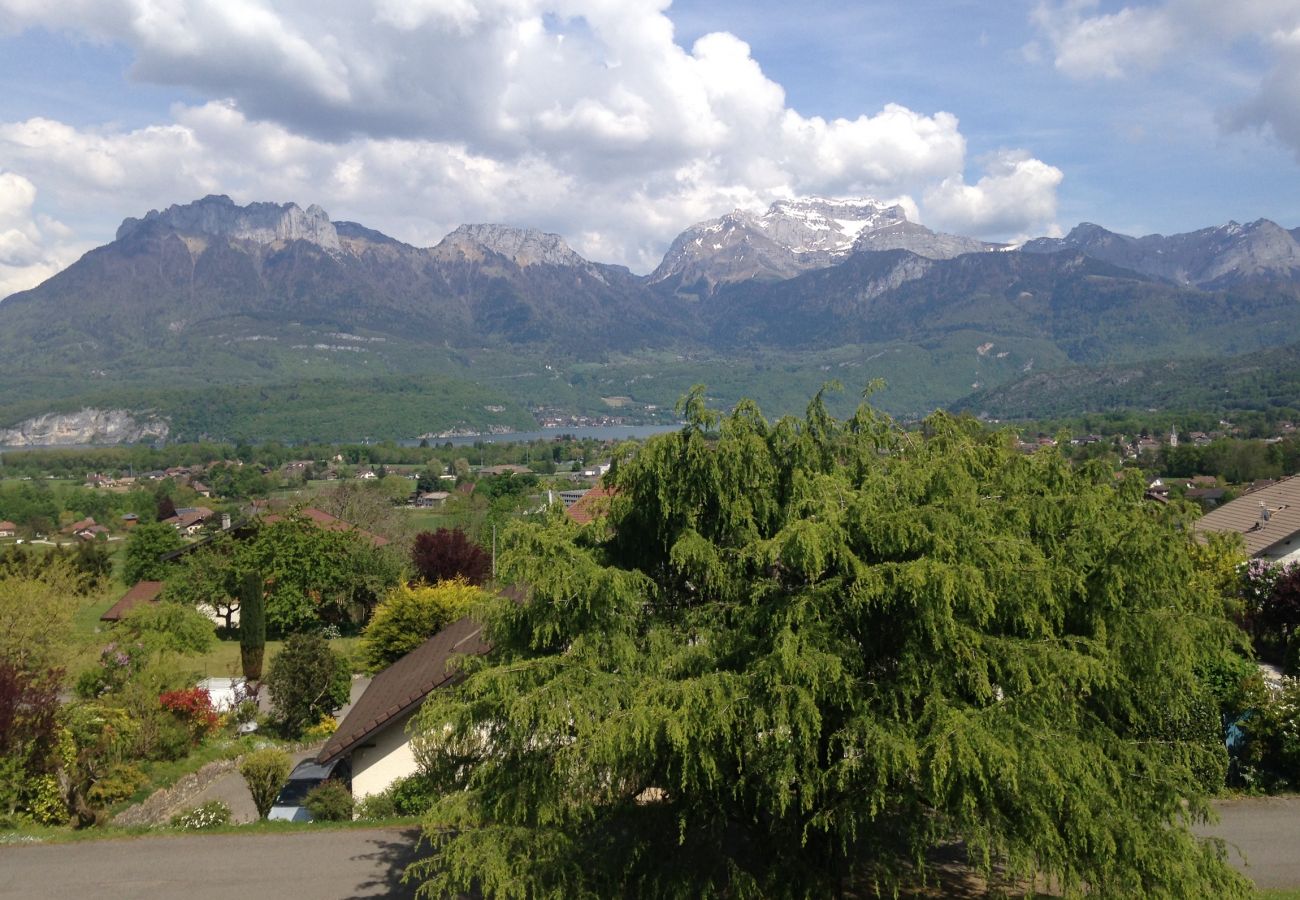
619, 123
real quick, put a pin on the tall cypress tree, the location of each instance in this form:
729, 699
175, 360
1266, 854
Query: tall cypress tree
252, 625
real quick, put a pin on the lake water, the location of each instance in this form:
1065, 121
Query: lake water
597, 432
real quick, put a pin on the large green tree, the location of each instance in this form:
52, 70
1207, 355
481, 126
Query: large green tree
316, 575
798, 657
144, 548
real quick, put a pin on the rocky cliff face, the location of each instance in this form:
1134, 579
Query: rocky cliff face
1207, 258
262, 223
796, 236
522, 246
88, 426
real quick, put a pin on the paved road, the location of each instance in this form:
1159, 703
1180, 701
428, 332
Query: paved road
1267, 831
369, 862
322, 864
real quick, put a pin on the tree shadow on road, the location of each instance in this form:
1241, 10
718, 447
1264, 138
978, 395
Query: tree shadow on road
392, 853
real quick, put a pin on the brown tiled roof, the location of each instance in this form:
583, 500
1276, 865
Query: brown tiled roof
591, 505
1245, 516
143, 592
403, 685
8, 526
332, 523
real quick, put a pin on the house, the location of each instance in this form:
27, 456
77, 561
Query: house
324, 520
78, 527
429, 499
1268, 520
189, 520
8, 529
200, 488
142, 592
373, 735
508, 469
91, 533
591, 505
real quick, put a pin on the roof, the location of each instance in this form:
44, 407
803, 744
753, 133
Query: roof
142, 592
8, 526
404, 685
1246, 516
331, 523
591, 505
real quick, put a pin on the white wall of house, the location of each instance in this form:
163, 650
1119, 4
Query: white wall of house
382, 759
1283, 552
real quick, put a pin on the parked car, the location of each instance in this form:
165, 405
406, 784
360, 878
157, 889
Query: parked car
288, 806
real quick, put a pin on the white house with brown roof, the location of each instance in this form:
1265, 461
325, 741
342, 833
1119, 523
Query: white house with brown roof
373, 735
8, 529
1268, 520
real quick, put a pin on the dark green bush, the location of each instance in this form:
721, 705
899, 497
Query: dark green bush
329, 801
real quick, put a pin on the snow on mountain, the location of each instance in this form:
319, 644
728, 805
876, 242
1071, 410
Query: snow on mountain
795, 236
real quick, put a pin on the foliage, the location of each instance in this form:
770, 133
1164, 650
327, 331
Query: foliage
36, 612
167, 628
212, 814
315, 576
146, 543
192, 707
29, 704
206, 578
252, 625
322, 729
307, 680
799, 656
409, 796
1270, 733
117, 664
119, 782
449, 553
264, 772
329, 801
410, 615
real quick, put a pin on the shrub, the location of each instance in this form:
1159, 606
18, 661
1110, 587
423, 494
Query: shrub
408, 616
329, 801
322, 729
168, 627
376, 806
410, 796
119, 782
192, 708
265, 771
448, 553
212, 814
307, 680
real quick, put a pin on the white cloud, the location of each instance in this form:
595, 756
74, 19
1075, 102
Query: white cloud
1015, 189
578, 116
32, 247
1193, 36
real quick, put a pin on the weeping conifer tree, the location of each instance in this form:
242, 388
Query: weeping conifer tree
798, 657
252, 625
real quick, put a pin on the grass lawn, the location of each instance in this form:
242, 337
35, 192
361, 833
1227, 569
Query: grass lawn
223, 659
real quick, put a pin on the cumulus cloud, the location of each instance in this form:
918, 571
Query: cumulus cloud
1015, 187
1194, 35
578, 116
32, 247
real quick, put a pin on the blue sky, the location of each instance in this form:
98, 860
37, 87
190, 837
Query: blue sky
618, 123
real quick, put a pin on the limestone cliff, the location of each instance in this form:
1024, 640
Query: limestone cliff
88, 426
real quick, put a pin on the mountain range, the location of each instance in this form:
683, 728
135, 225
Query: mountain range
210, 297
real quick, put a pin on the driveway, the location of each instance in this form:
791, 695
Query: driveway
1263, 834
316, 864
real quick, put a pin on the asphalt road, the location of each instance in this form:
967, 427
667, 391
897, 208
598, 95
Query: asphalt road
1263, 834
321, 864
1266, 831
